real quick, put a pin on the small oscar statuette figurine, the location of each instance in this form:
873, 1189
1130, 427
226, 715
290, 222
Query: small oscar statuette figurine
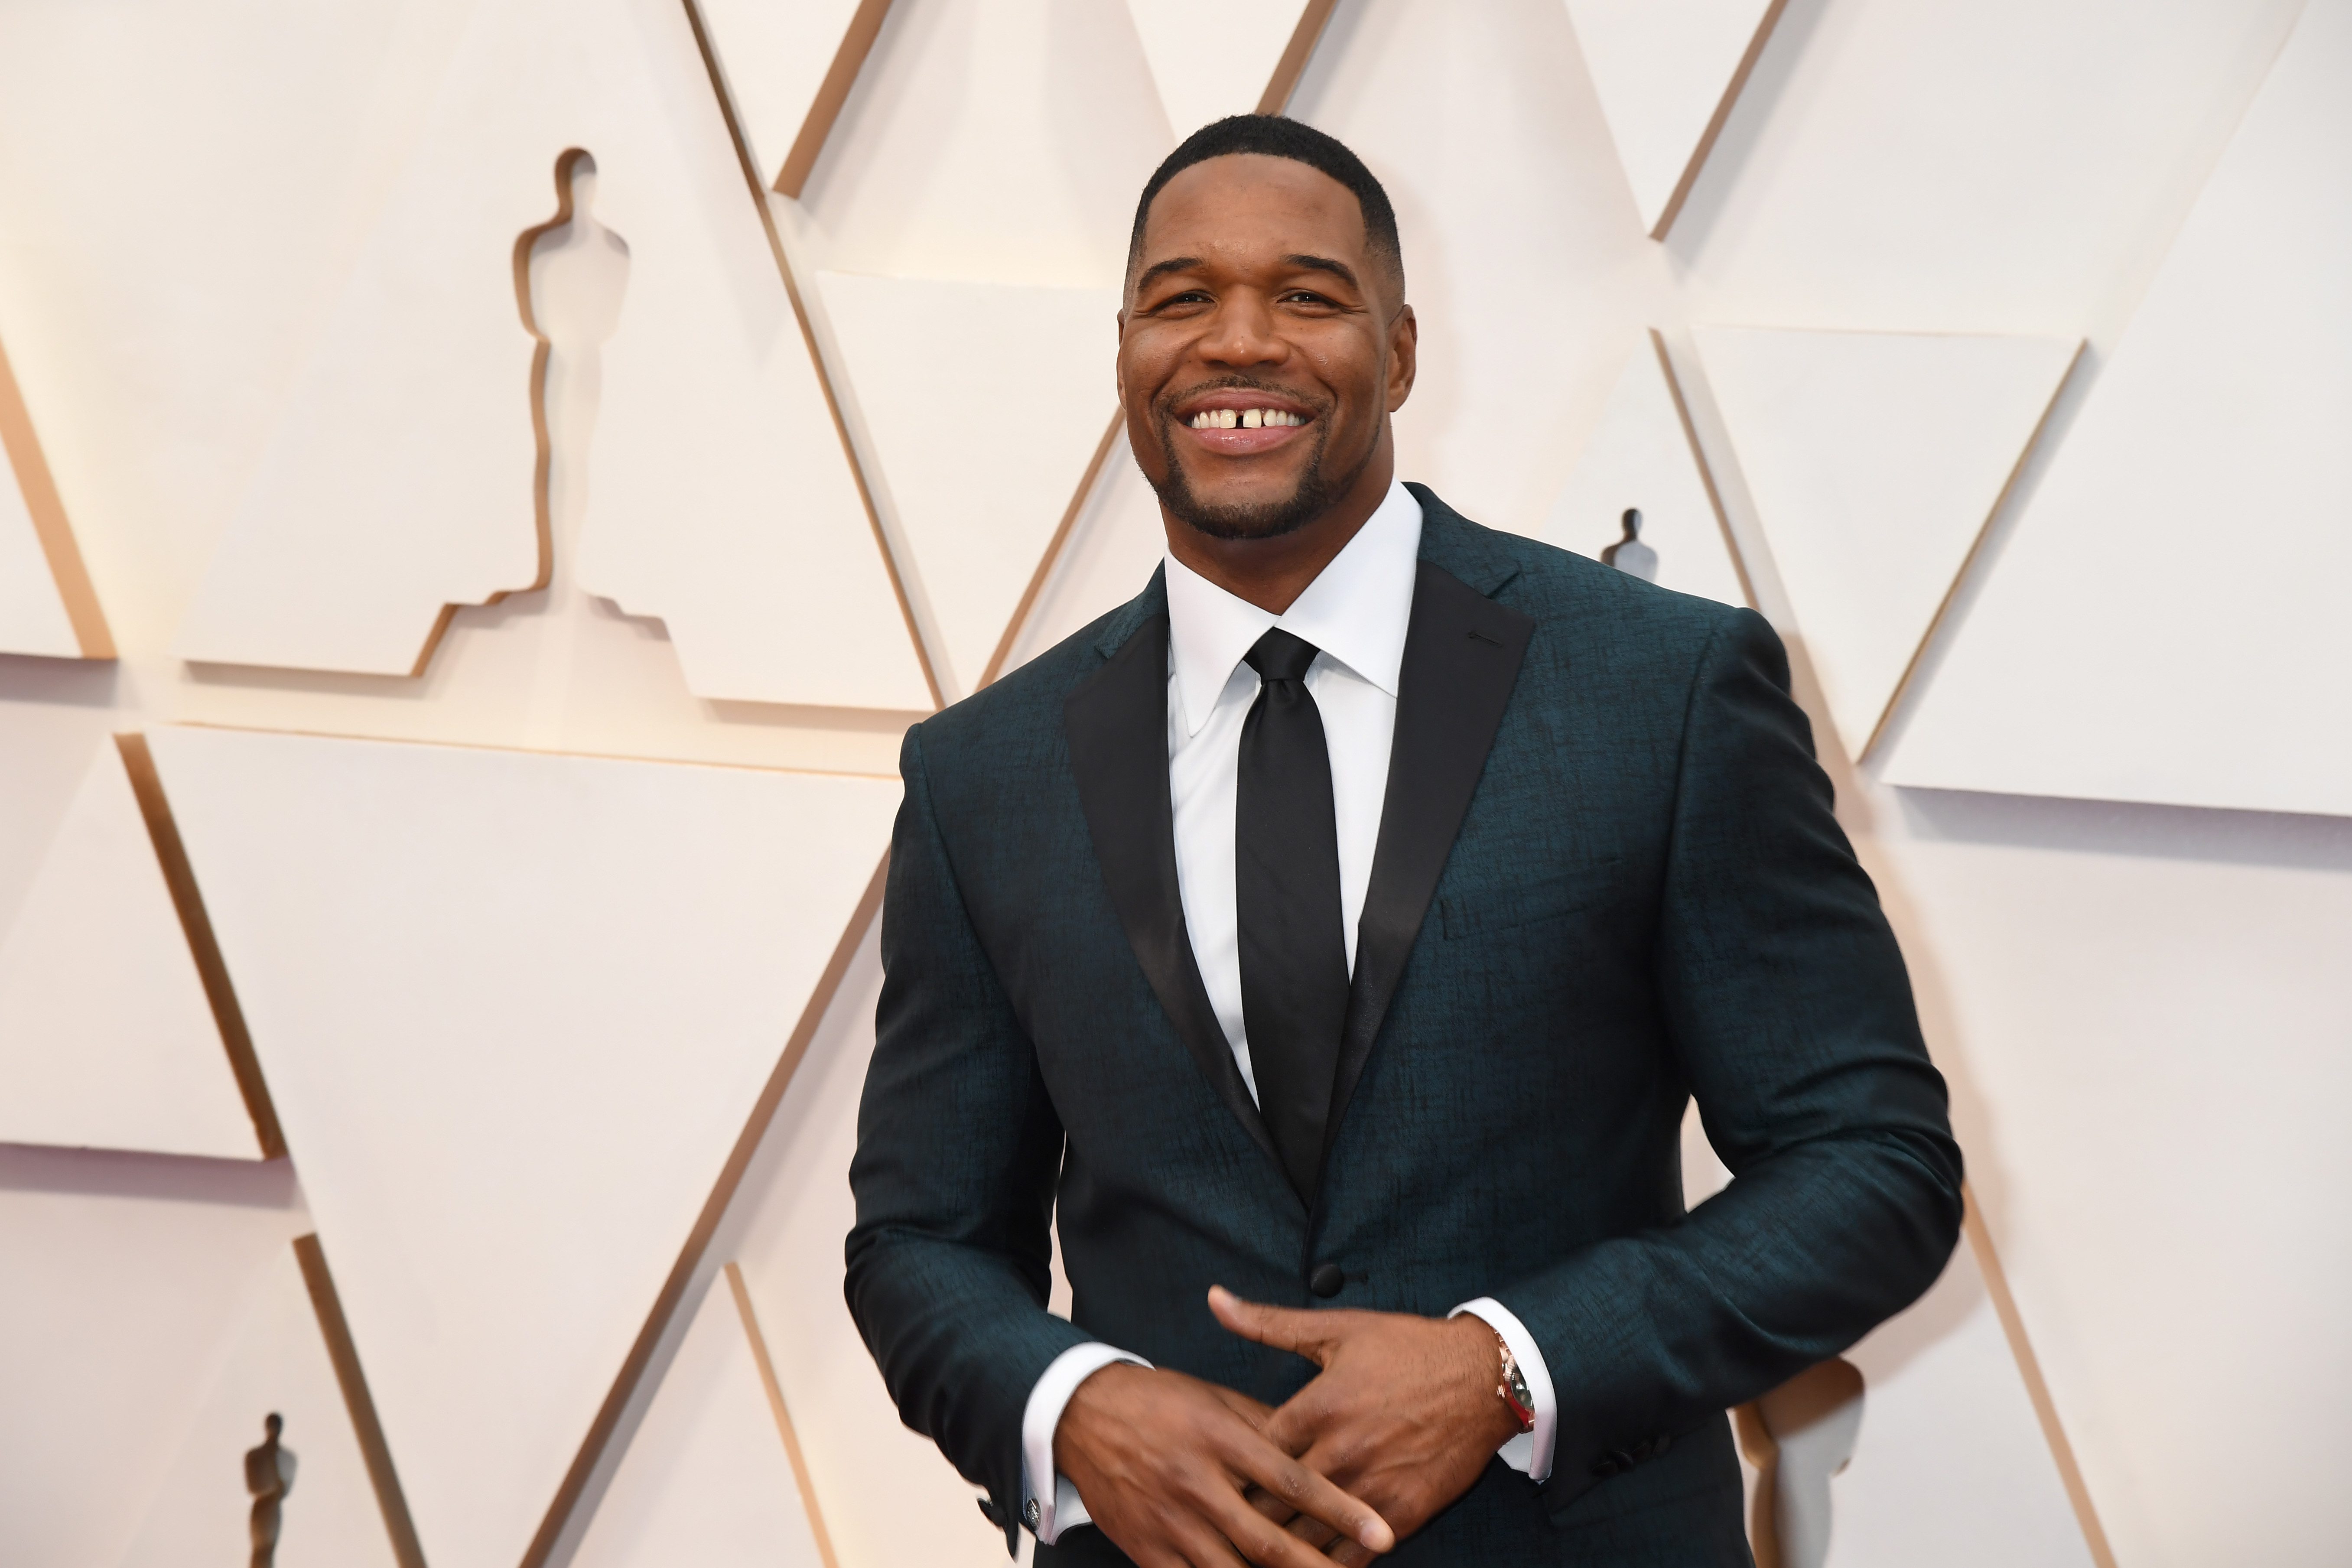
1629, 554
269, 1476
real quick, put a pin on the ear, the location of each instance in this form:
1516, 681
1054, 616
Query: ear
1404, 357
1118, 360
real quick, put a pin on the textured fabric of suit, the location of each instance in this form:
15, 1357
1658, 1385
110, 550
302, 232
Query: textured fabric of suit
1648, 899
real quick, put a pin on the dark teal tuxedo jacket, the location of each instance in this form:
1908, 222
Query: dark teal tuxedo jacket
1608, 880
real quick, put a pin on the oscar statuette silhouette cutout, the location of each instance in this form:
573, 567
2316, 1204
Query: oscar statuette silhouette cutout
1630, 554
269, 1476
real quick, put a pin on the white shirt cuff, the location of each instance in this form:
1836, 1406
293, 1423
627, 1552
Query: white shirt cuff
1529, 1453
1048, 1512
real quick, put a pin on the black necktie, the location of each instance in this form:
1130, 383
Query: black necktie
1294, 949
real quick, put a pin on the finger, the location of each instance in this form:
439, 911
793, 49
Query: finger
1256, 1412
1309, 1493
1265, 1543
1285, 1328
1315, 1533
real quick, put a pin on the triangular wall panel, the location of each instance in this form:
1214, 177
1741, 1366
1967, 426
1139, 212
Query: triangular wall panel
106, 1039
887, 1497
47, 606
402, 480
706, 1480
1668, 72
1116, 544
978, 473
1213, 57
126, 1280
2165, 623
1875, 461
277, 1363
1641, 457
1952, 1468
515, 1010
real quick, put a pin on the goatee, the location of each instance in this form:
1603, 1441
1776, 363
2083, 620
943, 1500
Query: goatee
1313, 496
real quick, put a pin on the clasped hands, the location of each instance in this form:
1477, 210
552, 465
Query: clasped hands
1399, 1422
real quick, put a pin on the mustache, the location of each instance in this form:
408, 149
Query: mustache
1165, 406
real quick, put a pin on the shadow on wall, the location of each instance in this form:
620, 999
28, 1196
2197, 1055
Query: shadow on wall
2131, 829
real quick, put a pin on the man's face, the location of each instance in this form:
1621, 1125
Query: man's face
1261, 349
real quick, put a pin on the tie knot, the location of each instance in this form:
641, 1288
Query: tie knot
1278, 655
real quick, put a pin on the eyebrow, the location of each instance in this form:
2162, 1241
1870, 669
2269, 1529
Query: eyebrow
1338, 268
1161, 268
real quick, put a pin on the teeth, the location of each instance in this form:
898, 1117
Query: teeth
1245, 418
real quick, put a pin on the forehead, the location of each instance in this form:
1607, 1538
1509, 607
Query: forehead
1246, 205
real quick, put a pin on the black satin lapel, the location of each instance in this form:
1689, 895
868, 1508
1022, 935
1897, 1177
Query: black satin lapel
1117, 725
1461, 657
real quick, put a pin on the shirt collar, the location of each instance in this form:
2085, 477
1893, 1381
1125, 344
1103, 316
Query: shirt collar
1356, 611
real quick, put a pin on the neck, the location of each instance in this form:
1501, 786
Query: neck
1272, 572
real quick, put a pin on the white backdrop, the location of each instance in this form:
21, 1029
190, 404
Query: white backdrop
521, 950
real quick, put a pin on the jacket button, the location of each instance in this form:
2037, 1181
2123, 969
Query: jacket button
1326, 1280
1615, 1462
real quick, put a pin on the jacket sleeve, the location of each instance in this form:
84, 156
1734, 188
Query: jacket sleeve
1789, 1011
958, 1148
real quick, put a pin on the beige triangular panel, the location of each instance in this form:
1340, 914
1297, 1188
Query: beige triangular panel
1952, 1469
125, 1282
1212, 57
2165, 623
706, 1480
1640, 457
402, 479
277, 1363
106, 1039
887, 1497
1666, 72
47, 606
789, 66
1114, 545
978, 471
1876, 459
515, 1010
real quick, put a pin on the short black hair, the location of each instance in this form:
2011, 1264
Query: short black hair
1278, 136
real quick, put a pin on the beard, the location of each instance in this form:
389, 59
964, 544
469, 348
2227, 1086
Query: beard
1316, 489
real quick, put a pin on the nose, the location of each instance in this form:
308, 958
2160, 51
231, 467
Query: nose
1242, 333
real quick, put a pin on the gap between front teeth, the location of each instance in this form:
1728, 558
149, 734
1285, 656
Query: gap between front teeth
1245, 418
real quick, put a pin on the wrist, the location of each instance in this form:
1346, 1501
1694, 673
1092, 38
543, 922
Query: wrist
1483, 1351
1098, 1396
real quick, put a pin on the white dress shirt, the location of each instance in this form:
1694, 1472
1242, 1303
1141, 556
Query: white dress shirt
1356, 612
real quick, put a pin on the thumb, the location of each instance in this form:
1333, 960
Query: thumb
1284, 1328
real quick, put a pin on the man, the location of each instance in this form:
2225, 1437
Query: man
1330, 939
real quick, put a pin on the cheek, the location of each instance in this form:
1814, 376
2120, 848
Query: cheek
1352, 368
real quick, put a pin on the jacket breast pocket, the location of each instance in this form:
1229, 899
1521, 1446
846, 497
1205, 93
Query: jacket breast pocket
1499, 908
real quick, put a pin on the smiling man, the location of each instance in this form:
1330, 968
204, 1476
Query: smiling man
1329, 940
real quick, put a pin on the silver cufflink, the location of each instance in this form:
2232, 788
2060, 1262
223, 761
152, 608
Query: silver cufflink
1032, 1513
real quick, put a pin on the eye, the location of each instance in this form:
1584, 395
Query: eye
1306, 296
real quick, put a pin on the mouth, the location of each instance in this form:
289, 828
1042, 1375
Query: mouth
1241, 422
